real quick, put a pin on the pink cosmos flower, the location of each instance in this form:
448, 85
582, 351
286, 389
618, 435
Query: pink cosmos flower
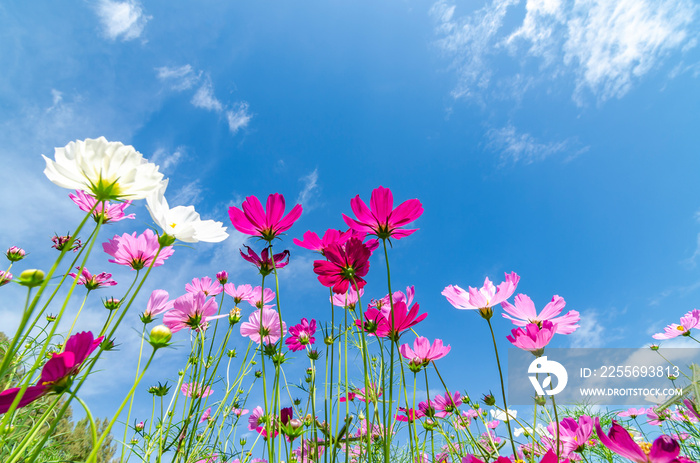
312, 242
205, 285
5, 277
408, 415
302, 335
255, 418
633, 412
93, 281
240, 293
137, 252
691, 408
348, 300
60, 242
533, 338
205, 416
109, 212
378, 321
444, 405
573, 435
663, 450
260, 297
269, 328
375, 392
253, 220
423, 352
549, 457
345, 266
157, 304
57, 374
263, 261
688, 321
382, 219
239, 411
656, 418
192, 311
524, 312
482, 299
195, 391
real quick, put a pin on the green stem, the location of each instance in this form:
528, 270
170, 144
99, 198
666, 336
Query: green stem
503, 390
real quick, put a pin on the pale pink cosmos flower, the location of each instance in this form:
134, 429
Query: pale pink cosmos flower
239, 411
348, 300
301, 335
423, 352
482, 299
381, 219
260, 297
193, 311
533, 338
157, 304
91, 281
108, 211
240, 293
688, 321
633, 412
255, 418
195, 391
269, 328
524, 312
206, 285
137, 252
254, 220
205, 416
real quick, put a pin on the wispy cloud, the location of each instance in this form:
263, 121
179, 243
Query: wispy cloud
515, 146
238, 117
309, 191
125, 20
204, 98
605, 46
168, 161
180, 78
691, 262
590, 332
188, 195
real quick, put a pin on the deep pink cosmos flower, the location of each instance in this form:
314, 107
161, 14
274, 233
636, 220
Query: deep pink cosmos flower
240, 293
263, 261
375, 392
549, 457
533, 338
260, 297
301, 335
195, 390
381, 219
312, 242
157, 304
137, 252
93, 281
692, 408
193, 311
688, 321
348, 300
345, 266
269, 328
663, 450
422, 352
408, 415
57, 374
378, 322
483, 299
524, 312
444, 405
109, 212
253, 220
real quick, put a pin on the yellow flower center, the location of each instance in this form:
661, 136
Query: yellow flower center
646, 447
173, 225
680, 328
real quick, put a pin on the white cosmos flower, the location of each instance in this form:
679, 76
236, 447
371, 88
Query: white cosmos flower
183, 222
109, 170
501, 415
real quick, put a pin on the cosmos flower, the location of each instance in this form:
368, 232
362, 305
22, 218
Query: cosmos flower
312, 242
205, 416
183, 222
663, 450
269, 328
573, 434
108, 170
254, 220
533, 338
633, 412
408, 415
193, 311
15, 254
382, 219
263, 262
5, 277
106, 211
524, 312
483, 299
60, 242
57, 374
157, 304
91, 281
378, 322
137, 252
375, 392
688, 321
347, 300
259, 297
195, 391
345, 266
301, 335
205, 285
240, 293
444, 405
423, 352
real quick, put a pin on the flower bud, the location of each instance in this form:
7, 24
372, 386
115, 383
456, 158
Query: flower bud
328, 340
242, 441
134, 441
15, 254
258, 374
222, 276
50, 318
540, 400
654, 347
231, 353
313, 354
139, 426
297, 402
107, 344
31, 278
234, 316
166, 240
111, 303
160, 335
5, 277
489, 399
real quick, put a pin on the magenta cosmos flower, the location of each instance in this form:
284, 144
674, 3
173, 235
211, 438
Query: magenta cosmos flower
346, 265
312, 242
137, 252
524, 312
205, 285
57, 374
107, 211
482, 299
378, 322
301, 335
263, 262
381, 219
549, 457
91, 281
269, 328
193, 311
573, 435
663, 450
423, 352
254, 220
688, 321
533, 338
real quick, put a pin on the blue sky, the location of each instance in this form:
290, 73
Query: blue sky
551, 138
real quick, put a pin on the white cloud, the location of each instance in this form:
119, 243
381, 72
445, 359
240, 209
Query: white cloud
604, 46
125, 20
188, 195
204, 98
590, 332
310, 189
168, 161
180, 78
519, 146
238, 117
691, 261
